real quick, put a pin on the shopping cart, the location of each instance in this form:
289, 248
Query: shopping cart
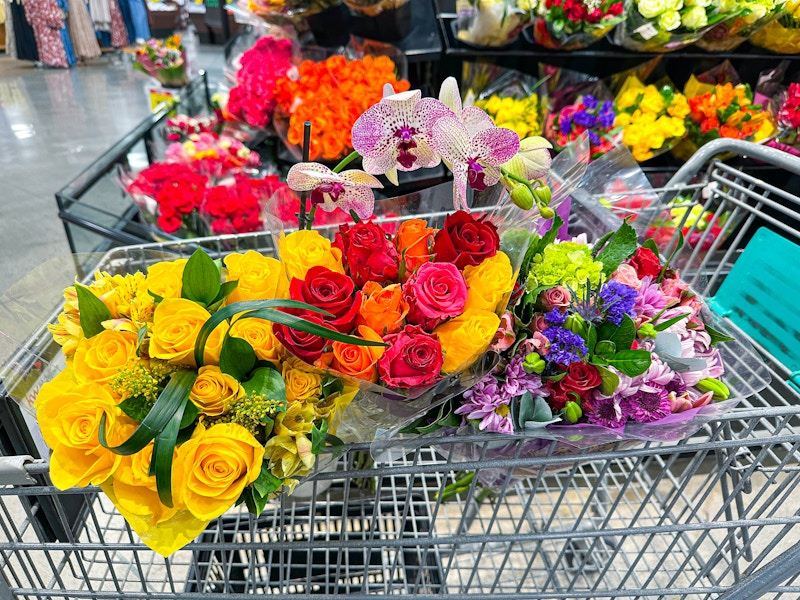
710, 516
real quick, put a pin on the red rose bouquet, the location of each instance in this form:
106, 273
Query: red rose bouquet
575, 24
789, 121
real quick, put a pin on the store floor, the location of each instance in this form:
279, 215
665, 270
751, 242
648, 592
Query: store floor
53, 124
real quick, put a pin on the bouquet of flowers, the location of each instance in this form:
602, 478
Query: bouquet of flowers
783, 34
292, 9
575, 24
166, 61
788, 138
180, 127
213, 156
356, 84
491, 23
731, 33
603, 335
667, 25
587, 115
651, 117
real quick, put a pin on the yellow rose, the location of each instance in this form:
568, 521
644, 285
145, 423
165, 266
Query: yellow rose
213, 391
259, 277
165, 279
301, 384
289, 456
301, 250
69, 417
258, 333
213, 468
176, 323
489, 282
136, 491
464, 338
99, 358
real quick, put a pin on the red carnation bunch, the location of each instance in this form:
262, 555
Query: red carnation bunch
176, 189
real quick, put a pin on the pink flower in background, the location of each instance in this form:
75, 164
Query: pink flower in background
348, 190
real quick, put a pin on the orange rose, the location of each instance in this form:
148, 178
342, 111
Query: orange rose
383, 309
359, 362
413, 241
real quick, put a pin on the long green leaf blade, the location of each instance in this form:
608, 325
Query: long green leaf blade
163, 451
301, 324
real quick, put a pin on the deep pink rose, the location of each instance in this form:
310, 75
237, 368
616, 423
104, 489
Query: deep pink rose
555, 297
435, 292
413, 358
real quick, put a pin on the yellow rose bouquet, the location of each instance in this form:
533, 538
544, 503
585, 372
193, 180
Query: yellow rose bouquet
651, 117
783, 34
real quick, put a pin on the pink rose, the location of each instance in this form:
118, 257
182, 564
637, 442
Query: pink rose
505, 337
626, 275
538, 323
413, 358
673, 287
435, 292
555, 297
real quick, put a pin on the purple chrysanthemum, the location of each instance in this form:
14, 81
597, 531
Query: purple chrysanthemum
649, 299
485, 403
650, 403
565, 347
617, 300
606, 412
518, 381
676, 385
556, 317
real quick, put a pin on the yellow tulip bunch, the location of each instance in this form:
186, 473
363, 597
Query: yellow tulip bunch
519, 115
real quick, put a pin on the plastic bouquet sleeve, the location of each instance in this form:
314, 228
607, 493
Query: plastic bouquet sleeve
782, 35
573, 25
491, 23
733, 32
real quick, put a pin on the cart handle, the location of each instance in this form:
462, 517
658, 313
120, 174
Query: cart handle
706, 152
13, 470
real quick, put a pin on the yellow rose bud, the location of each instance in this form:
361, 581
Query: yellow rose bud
99, 358
301, 250
165, 279
258, 333
260, 277
489, 282
176, 323
213, 391
301, 383
464, 338
213, 468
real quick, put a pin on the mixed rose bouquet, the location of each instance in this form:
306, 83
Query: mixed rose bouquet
751, 16
651, 118
604, 335
588, 115
213, 156
491, 22
180, 127
575, 24
166, 61
783, 34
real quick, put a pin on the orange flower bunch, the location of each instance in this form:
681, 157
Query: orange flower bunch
355, 85
728, 111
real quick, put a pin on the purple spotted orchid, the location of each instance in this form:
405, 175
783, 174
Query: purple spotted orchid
395, 134
348, 190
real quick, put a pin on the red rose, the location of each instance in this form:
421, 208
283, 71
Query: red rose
305, 346
413, 358
435, 292
645, 262
332, 292
580, 378
615, 9
465, 240
368, 253
576, 12
558, 396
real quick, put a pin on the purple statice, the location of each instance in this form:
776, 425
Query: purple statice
585, 119
594, 139
556, 317
649, 299
565, 125
485, 403
617, 300
565, 347
650, 403
606, 115
590, 102
606, 411
518, 381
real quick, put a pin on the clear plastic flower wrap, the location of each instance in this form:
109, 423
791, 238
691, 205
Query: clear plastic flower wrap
574, 24
782, 35
785, 100
733, 32
490, 23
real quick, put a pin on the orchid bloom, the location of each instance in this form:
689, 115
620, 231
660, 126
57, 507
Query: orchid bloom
395, 134
474, 156
348, 190
473, 118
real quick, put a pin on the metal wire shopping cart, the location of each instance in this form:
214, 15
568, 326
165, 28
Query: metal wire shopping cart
700, 518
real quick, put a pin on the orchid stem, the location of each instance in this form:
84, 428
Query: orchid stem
346, 161
355, 216
301, 217
311, 214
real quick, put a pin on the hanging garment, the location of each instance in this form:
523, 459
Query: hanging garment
45, 18
141, 28
119, 36
11, 42
23, 34
81, 31
64, 31
125, 9
101, 14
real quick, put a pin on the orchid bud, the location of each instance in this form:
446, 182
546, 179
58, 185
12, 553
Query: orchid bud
547, 212
533, 363
719, 389
522, 197
543, 195
572, 411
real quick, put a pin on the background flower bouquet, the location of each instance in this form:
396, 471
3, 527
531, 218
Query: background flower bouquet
491, 23
731, 33
789, 120
783, 34
165, 61
586, 115
574, 24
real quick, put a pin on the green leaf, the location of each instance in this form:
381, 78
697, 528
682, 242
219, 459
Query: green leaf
670, 322
136, 407
269, 424
620, 247
92, 311
598, 245
631, 362
651, 245
189, 414
331, 385
622, 335
236, 358
225, 290
163, 452
718, 337
267, 382
201, 278
605, 348
678, 246
591, 337
610, 381
266, 483
318, 435
168, 403
549, 237
140, 335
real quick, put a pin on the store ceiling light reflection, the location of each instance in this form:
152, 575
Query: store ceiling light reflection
23, 131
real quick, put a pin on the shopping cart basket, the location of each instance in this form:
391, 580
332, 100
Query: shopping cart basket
699, 518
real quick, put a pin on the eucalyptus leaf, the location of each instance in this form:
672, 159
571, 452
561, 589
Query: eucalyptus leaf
92, 311
668, 343
683, 365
